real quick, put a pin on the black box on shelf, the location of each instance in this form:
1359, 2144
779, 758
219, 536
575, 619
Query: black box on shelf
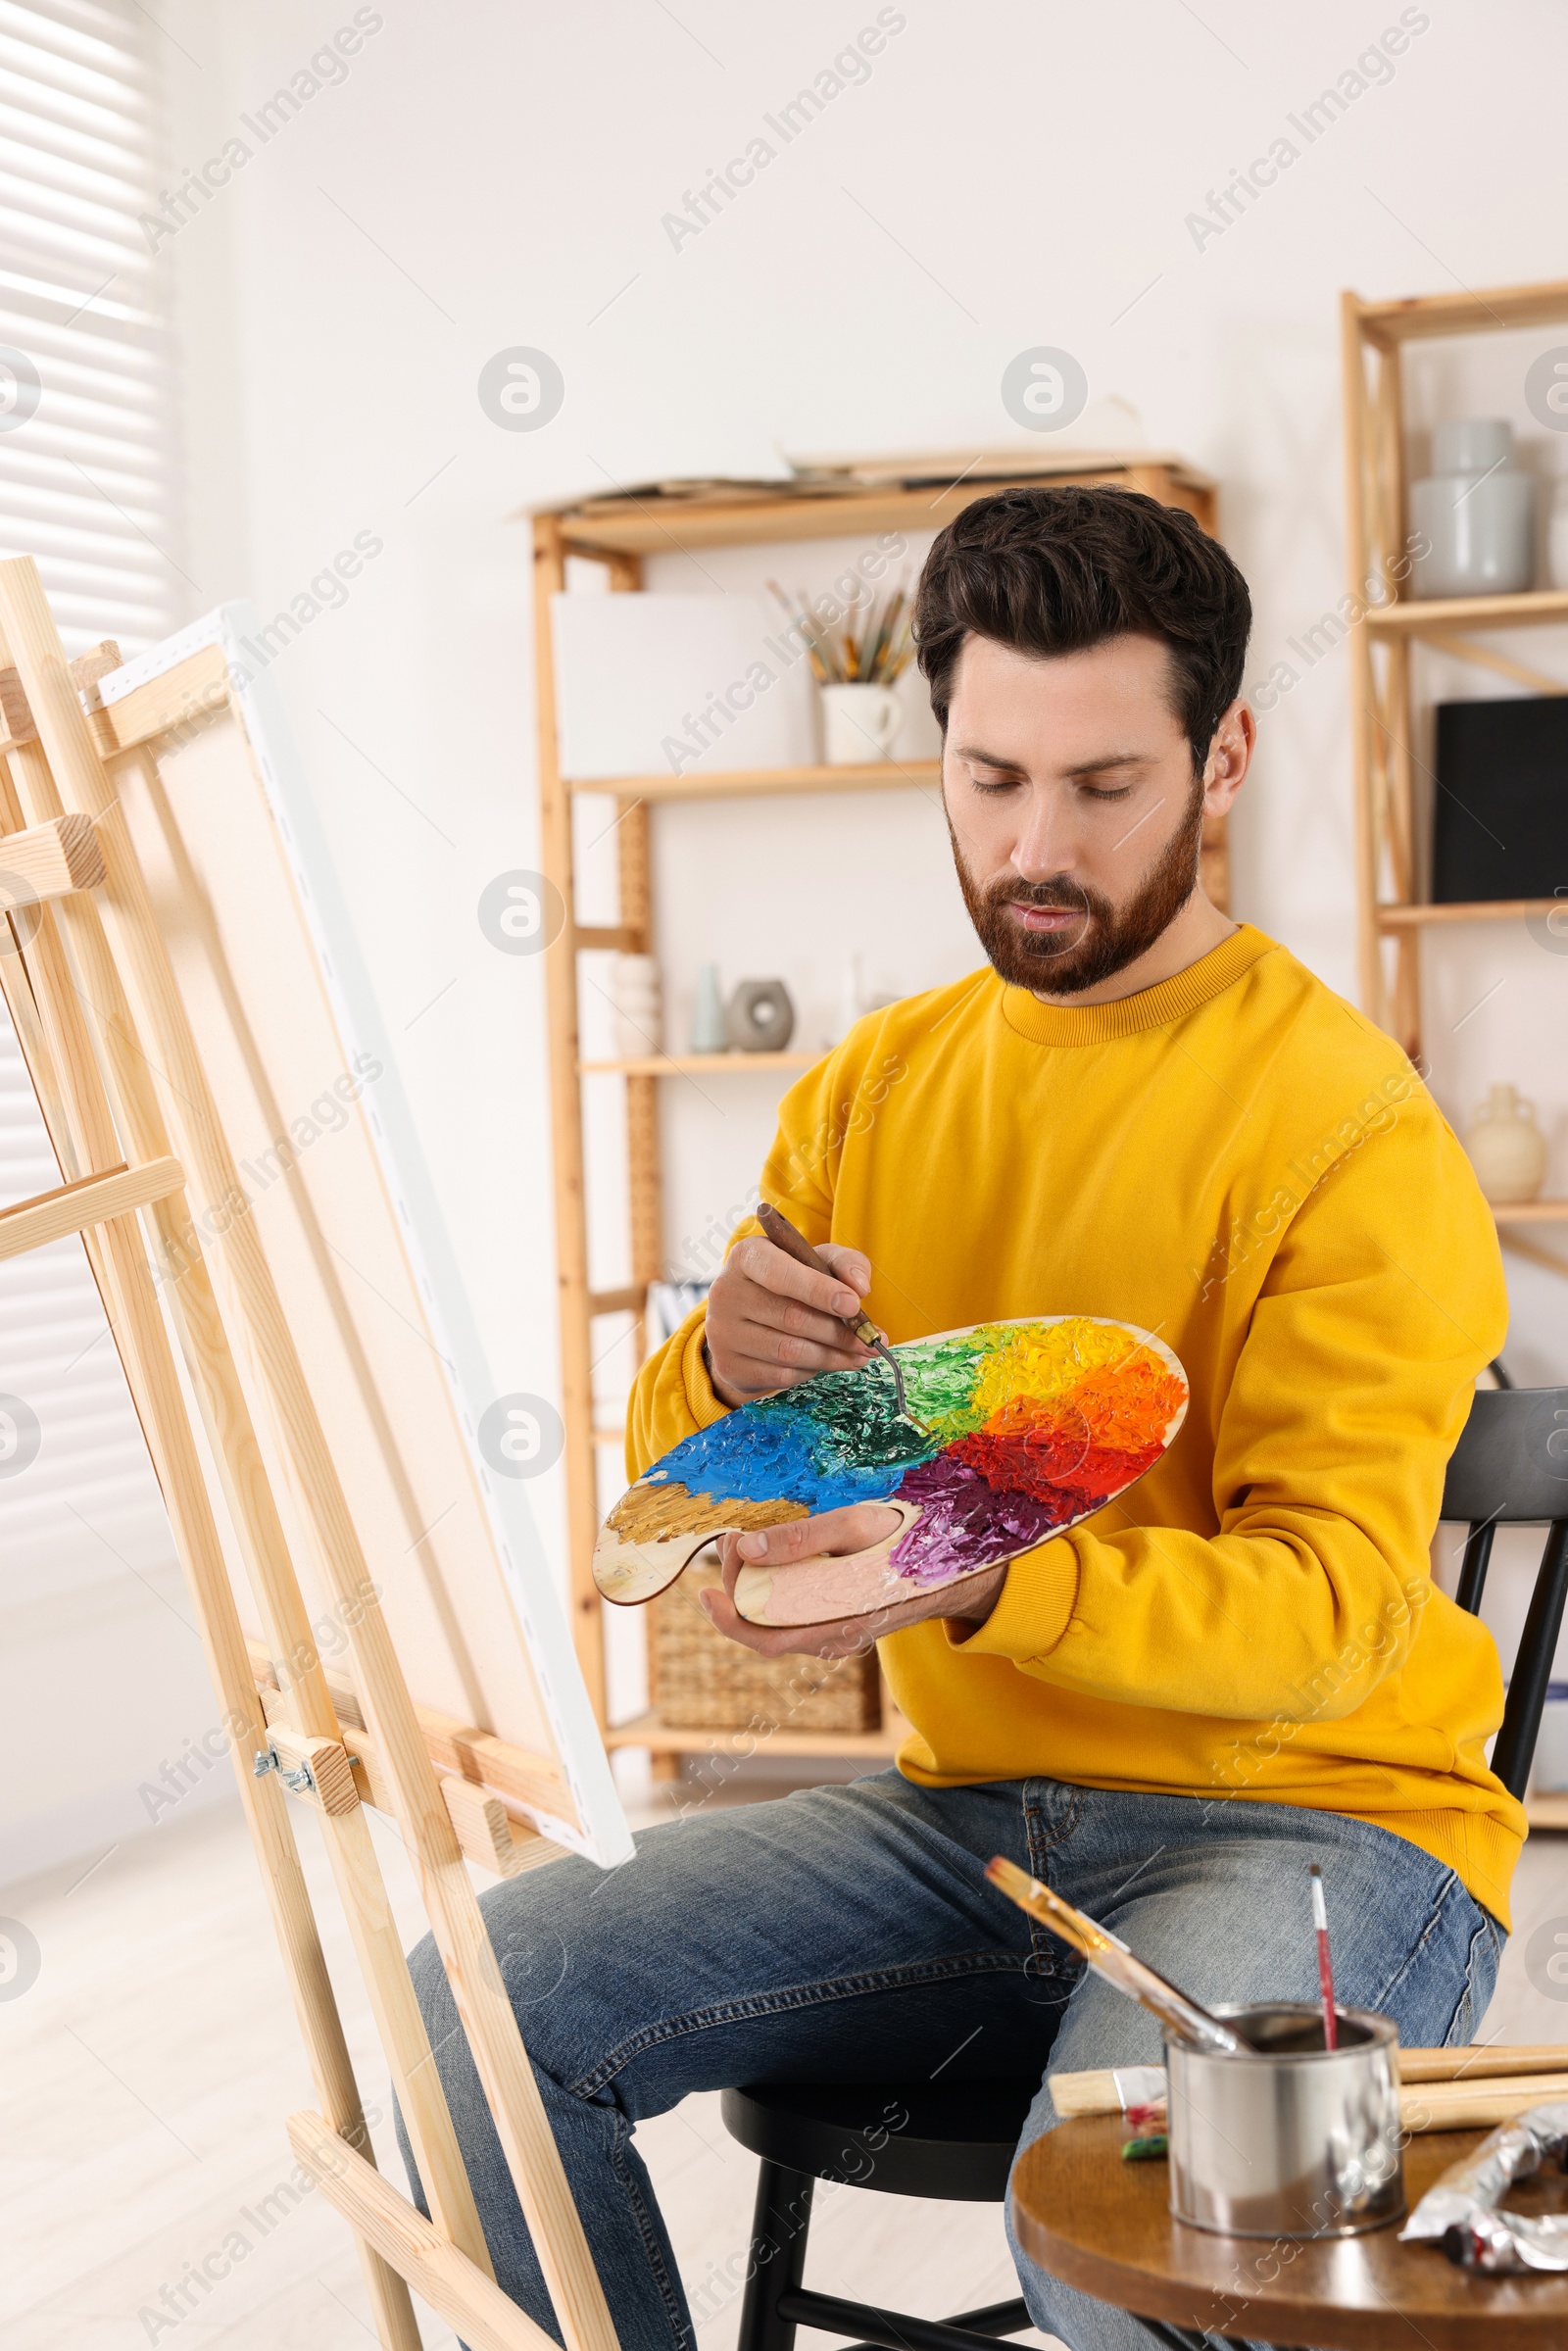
1500, 818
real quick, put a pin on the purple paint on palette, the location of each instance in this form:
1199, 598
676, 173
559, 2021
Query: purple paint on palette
965, 1523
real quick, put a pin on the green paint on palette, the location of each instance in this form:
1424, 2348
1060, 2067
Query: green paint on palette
939, 1377
850, 1419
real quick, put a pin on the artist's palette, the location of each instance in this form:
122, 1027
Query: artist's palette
1024, 1428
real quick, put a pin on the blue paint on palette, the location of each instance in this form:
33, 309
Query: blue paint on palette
821, 1448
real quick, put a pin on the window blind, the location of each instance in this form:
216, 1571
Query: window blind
87, 477
87, 487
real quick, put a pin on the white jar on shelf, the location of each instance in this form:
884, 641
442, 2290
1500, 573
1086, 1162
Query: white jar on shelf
637, 996
1475, 513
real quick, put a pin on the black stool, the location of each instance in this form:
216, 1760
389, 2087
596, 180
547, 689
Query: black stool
907, 2138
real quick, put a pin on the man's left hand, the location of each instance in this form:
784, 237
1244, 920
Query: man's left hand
836, 1534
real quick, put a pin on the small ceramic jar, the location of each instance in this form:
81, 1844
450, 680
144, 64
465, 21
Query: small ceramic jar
1506, 1148
637, 997
1477, 516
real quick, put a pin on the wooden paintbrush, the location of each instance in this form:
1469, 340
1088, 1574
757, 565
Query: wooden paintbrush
784, 1236
1110, 1958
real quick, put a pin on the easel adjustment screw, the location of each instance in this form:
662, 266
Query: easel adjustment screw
302, 1780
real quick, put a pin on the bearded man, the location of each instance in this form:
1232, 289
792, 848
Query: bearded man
1137, 1109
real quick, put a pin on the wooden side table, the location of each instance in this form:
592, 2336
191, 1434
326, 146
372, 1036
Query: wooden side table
1102, 2225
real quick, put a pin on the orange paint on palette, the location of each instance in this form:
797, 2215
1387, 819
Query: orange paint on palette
1087, 1441
1131, 1405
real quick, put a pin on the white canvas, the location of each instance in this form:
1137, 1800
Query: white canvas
300, 1059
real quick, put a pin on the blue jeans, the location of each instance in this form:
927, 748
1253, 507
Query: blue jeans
849, 1933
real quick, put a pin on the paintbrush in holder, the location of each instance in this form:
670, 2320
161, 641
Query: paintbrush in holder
1183, 2019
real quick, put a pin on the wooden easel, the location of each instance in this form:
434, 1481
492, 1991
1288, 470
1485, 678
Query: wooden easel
96, 1012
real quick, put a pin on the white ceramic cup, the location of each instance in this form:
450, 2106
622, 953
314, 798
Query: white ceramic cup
858, 724
1476, 514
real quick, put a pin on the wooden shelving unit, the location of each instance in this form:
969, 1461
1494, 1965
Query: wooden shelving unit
1382, 713
1381, 689
618, 533
1382, 710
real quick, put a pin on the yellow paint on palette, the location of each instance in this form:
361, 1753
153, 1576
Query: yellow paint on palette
1044, 1361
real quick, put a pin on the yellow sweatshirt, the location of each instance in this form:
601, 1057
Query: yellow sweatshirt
1241, 1164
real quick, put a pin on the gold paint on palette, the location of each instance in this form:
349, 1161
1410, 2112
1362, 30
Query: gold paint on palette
647, 1513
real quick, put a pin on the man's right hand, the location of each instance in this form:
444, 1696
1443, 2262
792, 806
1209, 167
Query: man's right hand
773, 1323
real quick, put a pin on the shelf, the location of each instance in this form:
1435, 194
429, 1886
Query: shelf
1500, 309
662, 526
1487, 910
1430, 617
684, 1065
1532, 1211
741, 783
660, 1739
1546, 1811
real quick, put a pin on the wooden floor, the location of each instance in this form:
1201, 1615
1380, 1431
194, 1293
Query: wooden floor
145, 2075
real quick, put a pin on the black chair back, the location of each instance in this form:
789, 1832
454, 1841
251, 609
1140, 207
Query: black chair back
1510, 1466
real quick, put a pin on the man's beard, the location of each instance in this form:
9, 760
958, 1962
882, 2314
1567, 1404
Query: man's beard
1108, 938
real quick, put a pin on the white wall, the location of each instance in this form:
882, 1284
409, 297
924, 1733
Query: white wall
1005, 178
495, 176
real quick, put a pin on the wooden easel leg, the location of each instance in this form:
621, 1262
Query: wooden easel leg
480, 1995
155, 1389
231, 1433
77, 1116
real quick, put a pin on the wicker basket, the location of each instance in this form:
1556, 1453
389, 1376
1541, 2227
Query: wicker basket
702, 1682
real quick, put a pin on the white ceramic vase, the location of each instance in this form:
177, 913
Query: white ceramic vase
638, 1001
1475, 512
709, 1030
1506, 1148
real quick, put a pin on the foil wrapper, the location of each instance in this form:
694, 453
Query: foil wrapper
1461, 2211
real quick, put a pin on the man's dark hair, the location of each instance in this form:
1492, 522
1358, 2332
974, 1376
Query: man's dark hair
1056, 570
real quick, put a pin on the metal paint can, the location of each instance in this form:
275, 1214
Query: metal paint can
1288, 2139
